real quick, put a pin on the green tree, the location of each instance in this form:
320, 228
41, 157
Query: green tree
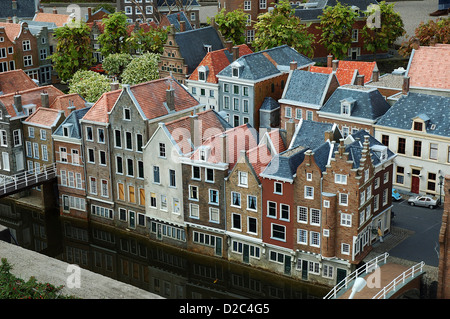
336, 24
89, 84
437, 31
152, 40
113, 38
232, 25
392, 27
281, 26
142, 68
115, 64
73, 50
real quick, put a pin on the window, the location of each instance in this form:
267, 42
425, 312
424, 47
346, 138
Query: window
343, 199
315, 216
3, 138
345, 109
117, 138
385, 140
127, 114
236, 221
29, 150
288, 112
156, 178
278, 188
130, 167
193, 192
93, 185
272, 209
252, 225
328, 271
17, 138
340, 179
417, 148
346, 220
298, 114
140, 169
89, 134
235, 199
101, 135
345, 249
31, 132
131, 194
431, 184
105, 188
247, 5
433, 151
284, 211
172, 179
214, 215
193, 211
418, 126
196, 173
43, 54
26, 45
163, 203
243, 179
162, 150
3, 55
119, 165
309, 176
262, 4
102, 155
142, 196
214, 196
355, 35
152, 200
278, 232
44, 152
63, 154
139, 142
309, 192
315, 239
128, 141
400, 177
209, 175
120, 191
401, 149
75, 157
226, 102
36, 152
251, 202
302, 236
302, 214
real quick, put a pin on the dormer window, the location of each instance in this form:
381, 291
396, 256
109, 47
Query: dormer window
420, 123
208, 47
346, 106
202, 73
67, 129
235, 69
203, 154
418, 126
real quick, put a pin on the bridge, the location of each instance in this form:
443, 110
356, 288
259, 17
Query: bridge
382, 280
12, 184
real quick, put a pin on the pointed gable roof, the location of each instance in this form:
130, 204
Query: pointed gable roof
64, 102
99, 111
73, 119
59, 19
216, 61
45, 117
15, 80
364, 68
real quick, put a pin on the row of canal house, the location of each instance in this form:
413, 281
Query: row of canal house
301, 201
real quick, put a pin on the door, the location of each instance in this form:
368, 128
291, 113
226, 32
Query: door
159, 231
287, 264
415, 184
246, 254
340, 275
218, 246
305, 270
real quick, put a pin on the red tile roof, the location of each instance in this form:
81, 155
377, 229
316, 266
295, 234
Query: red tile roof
237, 139
364, 68
15, 80
430, 67
344, 76
63, 102
180, 129
59, 19
216, 61
259, 157
12, 30
31, 96
44, 116
151, 97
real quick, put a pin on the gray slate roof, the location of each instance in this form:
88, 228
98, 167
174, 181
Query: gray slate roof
310, 134
269, 104
74, 119
25, 9
435, 108
370, 104
256, 66
192, 45
173, 19
306, 87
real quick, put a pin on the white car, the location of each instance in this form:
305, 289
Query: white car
424, 200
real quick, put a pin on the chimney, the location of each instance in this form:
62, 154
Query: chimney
290, 130
433, 41
416, 43
293, 65
224, 148
55, 11
375, 75
229, 46
195, 130
44, 99
329, 136
115, 86
41, 9
182, 26
9, 20
71, 107
405, 86
18, 102
360, 79
235, 53
329, 60
170, 98
335, 64
341, 148
178, 16
89, 13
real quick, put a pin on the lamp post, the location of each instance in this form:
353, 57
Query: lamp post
359, 284
441, 182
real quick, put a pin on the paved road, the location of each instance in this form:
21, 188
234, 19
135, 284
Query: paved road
422, 226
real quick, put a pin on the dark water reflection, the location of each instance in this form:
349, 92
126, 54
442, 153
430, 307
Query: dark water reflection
149, 265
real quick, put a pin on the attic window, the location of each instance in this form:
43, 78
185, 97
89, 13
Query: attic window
207, 47
67, 129
418, 126
346, 106
202, 73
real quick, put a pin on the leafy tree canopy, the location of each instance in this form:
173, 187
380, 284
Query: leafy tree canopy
89, 84
114, 64
73, 50
113, 38
232, 25
336, 23
152, 40
280, 26
142, 68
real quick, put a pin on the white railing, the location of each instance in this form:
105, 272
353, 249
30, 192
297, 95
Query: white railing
367, 268
400, 280
29, 178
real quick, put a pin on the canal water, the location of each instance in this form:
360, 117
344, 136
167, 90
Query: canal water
164, 270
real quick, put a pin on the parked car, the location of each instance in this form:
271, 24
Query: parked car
396, 195
424, 200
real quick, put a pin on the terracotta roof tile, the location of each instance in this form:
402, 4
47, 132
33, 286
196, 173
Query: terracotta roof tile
44, 116
216, 61
15, 80
12, 30
63, 102
430, 67
259, 157
344, 75
59, 19
364, 68
99, 111
30, 96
